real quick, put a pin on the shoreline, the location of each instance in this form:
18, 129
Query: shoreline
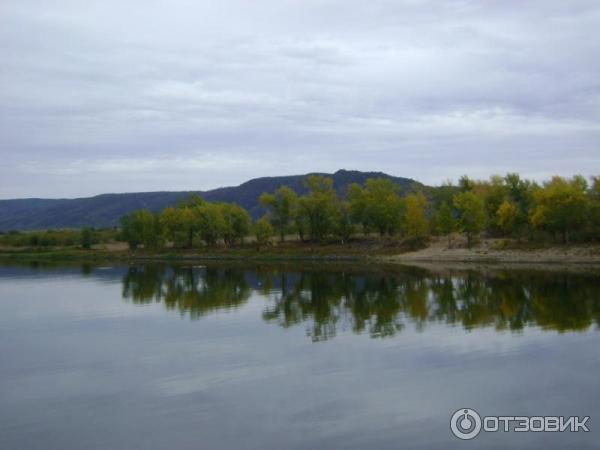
492, 259
426, 257
496, 251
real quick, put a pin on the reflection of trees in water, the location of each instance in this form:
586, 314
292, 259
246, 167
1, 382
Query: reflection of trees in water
315, 297
564, 303
380, 304
187, 289
374, 303
144, 284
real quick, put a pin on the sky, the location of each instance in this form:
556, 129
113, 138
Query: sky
145, 95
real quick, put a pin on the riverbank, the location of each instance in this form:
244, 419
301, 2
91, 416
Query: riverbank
437, 251
293, 250
500, 251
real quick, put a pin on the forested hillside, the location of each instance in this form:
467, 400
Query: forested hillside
107, 209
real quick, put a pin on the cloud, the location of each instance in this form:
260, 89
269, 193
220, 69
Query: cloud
194, 95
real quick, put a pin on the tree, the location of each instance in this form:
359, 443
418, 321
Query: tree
358, 206
343, 227
377, 206
236, 223
519, 191
493, 193
210, 222
263, 230
465, 184
443, 193
282, 204
131, 231
416, 222
507, 216
185, 224
445, 222
561, 206
87, 238
301, 225
471, 214
127, 232
318, 206
150, 228
520, 194
189, 225
177, 225
141, 228
192, 201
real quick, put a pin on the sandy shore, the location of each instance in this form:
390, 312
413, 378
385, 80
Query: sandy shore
492, 251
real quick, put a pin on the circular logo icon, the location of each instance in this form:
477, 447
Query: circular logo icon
465, 423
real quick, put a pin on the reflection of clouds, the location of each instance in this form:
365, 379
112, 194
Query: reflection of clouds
67, 384
213, 377
58, 296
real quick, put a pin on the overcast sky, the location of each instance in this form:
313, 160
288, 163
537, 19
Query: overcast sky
137, 95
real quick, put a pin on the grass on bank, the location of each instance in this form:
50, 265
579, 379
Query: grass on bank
357, 248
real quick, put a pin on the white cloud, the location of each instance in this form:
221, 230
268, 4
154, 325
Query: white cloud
425, 89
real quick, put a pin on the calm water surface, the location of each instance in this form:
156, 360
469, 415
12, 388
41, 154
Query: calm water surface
313, 357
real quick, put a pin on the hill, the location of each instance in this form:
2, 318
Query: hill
106, 210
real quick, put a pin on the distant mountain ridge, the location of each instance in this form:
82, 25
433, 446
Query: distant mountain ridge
106, 210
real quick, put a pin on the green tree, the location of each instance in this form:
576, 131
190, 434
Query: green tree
282, 205
416, 221
471, 214
319, 206
378, 205
263, 230
151, 230
358, 206
520, 194
443, 193
189, 225
178, 226
445, 222
466, 184
185, 224
141, 228
191, 202
343, 226
129, 233
210, 221
301, 225
236, 223
87, 238
561, 206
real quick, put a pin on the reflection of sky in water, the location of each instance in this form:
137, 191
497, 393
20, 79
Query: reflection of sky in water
83, 368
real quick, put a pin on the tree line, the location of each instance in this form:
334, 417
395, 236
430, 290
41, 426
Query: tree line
84, 238
561, 209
